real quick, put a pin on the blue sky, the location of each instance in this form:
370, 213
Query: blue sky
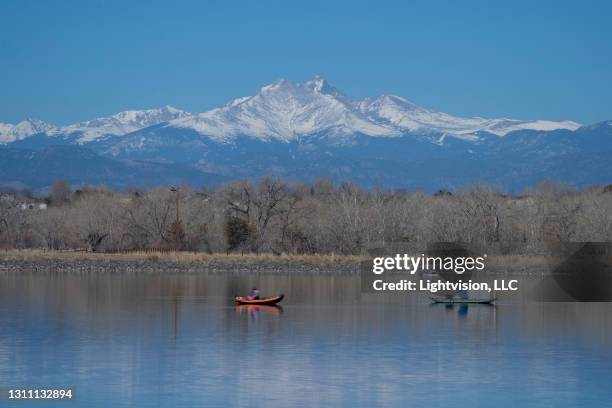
67, 61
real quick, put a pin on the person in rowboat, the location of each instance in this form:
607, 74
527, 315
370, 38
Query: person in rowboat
254, 294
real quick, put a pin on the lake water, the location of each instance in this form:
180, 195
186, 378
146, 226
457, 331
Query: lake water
152, 340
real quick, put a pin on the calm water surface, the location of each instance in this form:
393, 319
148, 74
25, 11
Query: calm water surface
177, 341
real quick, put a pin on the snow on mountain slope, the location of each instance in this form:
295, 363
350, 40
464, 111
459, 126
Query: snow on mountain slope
286, 110
117, 125
410, 117
10, 133
283, 111
502, 127
4, 129
123, 122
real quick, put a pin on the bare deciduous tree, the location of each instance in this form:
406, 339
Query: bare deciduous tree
60, 192
273, 216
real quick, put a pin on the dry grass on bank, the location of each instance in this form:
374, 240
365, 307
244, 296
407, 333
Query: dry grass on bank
177, 257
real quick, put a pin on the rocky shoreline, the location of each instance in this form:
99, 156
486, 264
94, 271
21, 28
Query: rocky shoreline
82, 262
281, 266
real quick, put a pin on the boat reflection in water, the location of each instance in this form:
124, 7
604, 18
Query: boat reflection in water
254, 310
464, 308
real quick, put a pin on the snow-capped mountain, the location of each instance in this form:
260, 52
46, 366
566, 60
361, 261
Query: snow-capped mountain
10, 133
119, 124
405, 115
286, 110
123, 123
306, 131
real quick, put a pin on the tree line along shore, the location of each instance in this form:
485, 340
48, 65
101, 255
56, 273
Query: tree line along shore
276, 217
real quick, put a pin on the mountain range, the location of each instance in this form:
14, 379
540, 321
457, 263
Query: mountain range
303, 132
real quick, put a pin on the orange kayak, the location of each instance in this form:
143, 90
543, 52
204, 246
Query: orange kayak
263, 301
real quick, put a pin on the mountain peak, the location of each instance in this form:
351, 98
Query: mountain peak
172, 109
285, 110
277, 85
25, 128
124, 122
318, 84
